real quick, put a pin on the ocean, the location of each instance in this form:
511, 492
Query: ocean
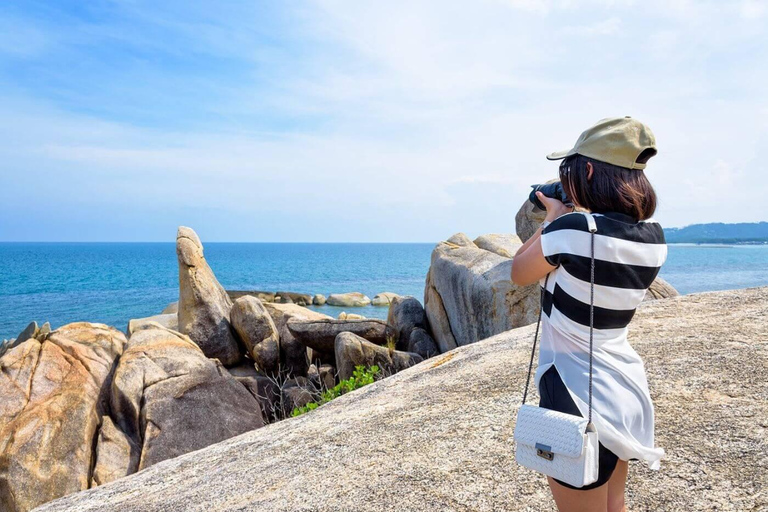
114, 282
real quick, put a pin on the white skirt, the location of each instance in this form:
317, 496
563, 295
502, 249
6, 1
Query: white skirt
622, 410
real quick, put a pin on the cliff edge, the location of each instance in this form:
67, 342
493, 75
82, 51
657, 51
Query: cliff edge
438, 436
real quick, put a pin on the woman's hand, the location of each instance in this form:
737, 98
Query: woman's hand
555, 207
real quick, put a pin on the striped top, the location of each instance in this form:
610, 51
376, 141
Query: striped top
628, 256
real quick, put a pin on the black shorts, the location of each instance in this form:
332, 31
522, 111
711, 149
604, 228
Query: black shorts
555, 396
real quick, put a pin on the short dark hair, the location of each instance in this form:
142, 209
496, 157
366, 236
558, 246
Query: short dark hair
612, 188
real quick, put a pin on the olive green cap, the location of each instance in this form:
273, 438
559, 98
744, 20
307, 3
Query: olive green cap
614, 140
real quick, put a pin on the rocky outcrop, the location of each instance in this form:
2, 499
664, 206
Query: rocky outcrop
293, 354
302, 299
440, 432
53, 397
318, 299
502, 244
352, 350
203, 304
660, 289
405, 314
383, 298
261, 295
256, 329
321, 334
170, 399
350, 299
116, 454
469, 294
169, 320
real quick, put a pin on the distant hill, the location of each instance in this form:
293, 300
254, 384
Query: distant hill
720, 233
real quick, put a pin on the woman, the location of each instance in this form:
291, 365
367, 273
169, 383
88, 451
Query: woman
603, 174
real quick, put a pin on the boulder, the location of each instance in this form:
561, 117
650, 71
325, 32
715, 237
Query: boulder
420, 342
349, 316
660, 289
350, 299
302, 299
439, 435
170, 399
168, 320
173, 307
261, 295
321, 334
352, 350
502, 244
244, 369
383, 298
297, 392
266, 391
53, 398
117, 455
469, 294
293, 354
29, 332
256, 329
203, 304
318, 299
323, 377
405, 313
528, 219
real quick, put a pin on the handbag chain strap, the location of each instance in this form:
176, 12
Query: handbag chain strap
592, 229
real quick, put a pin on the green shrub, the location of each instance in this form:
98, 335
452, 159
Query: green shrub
361, 376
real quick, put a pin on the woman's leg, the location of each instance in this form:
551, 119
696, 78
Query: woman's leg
616, 486
573, 500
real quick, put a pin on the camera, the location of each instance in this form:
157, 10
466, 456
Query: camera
553, 190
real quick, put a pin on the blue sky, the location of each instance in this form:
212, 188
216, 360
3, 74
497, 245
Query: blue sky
362, 121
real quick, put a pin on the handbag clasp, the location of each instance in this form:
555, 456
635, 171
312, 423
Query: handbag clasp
544, 451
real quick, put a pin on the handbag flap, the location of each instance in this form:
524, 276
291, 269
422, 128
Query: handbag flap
562, 433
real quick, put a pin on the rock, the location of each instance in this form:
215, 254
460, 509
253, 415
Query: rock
293, 354
405, 313
352, 350
245, 369
351, 299
350, 316
469, 295
322, 378
267, 393
52, 402
528, 219
43, 332
256, 329
450, 420
502, 244
170, 399
116, 455
28, 332
173, 307
261, 295
461, 240
302, 299
167, 320
420, 342
297, 392
203, 304
321, 334
318, 299
383, 298
660, 289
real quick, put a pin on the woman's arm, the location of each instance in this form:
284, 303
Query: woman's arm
529, 264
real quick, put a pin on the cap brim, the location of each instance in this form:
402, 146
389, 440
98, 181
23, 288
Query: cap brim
559, 155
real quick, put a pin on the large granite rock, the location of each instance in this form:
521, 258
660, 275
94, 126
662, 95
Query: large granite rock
420, 342
660, 289
383, 298
321, 334
170, 399
502, 244
350, 299
469, 294
116, 454
53, 395
256, 329
294, 359
440, 433
203, 304
169, 320
405, 314
352, 350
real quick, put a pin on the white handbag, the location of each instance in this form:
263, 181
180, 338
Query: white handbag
563, 446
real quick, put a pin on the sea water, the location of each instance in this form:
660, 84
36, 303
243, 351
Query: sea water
114, 282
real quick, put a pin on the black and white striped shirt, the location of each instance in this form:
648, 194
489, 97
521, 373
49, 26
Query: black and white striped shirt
628, 256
